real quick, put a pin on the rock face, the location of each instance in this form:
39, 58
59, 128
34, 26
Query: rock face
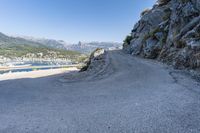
169, 32
96, 60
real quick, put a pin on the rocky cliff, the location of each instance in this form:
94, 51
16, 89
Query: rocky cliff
169, 32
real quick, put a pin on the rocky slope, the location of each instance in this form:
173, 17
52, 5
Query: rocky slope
169, 32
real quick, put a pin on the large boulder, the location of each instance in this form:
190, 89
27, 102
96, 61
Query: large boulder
96, 60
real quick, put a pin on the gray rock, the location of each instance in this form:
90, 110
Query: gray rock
136, 46
170, 31
159, 35
196, 4
152, 48
96, 60
193, 44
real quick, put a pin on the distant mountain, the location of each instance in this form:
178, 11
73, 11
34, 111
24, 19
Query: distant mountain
8, 41
88, 47
51, 43
83, 47
12, 47
17, 47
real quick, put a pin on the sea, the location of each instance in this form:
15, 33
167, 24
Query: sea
14, 67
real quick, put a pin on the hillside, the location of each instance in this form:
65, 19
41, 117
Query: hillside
23, 47
7, 40
12, 48
58, 44
169, 32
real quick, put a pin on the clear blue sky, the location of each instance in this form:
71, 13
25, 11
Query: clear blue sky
71, 20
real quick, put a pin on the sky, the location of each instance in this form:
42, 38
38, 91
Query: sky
71, 20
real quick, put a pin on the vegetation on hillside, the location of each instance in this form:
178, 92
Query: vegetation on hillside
128, 39
14, 47
23, 50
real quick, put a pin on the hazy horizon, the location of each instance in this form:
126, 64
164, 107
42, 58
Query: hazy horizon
71, 21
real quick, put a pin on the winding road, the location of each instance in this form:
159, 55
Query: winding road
137, 96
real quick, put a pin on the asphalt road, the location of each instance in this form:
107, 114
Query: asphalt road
138, 96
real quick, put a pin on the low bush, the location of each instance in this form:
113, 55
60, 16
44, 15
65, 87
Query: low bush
128, 39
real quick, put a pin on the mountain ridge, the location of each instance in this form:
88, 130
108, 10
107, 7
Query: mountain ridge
81, 46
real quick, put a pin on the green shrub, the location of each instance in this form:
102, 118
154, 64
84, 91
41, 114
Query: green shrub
151, 33
128, 39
